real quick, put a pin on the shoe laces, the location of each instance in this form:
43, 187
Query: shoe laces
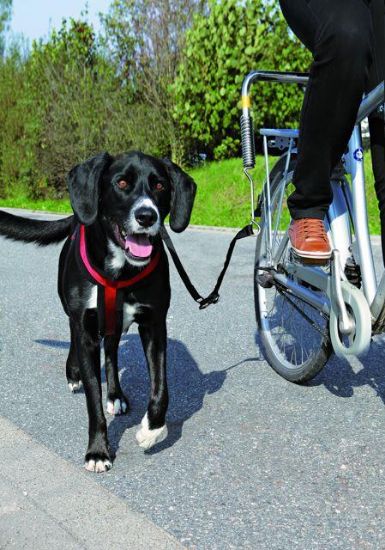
312, 228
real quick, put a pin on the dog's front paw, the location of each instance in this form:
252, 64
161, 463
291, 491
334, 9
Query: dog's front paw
74, 386
97, 463
147, 438
118, 406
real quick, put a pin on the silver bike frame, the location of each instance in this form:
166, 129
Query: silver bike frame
345, 204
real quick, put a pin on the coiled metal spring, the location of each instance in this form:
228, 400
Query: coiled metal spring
248, 144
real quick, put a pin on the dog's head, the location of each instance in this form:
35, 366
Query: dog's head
132, 194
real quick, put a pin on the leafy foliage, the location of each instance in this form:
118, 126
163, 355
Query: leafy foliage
163, 76
221, 49
69, 87
5, 16
145, 39
12, 116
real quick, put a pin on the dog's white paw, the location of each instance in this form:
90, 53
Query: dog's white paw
74, 386
147, 438
117, 407
98, 466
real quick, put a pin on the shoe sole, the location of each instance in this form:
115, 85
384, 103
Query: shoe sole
319, 258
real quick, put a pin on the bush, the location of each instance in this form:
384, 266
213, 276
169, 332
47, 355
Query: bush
221, 48
13, 113
78, 94
67, 84
145, 40
62, 104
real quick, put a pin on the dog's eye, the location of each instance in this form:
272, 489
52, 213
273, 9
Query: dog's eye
159, 186
122, 184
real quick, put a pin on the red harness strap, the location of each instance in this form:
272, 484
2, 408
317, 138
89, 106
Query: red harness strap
111, 287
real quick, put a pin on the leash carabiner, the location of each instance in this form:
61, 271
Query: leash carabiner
214, 296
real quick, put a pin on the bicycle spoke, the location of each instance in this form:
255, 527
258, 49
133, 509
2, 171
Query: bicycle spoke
294, 332
301, 312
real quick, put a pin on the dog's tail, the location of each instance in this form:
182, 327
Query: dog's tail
39, 232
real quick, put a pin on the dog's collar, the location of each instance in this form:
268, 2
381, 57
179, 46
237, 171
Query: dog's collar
108, 286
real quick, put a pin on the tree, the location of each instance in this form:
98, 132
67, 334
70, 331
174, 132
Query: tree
221, 48
5, 17
145, 39
12, 117
59, 90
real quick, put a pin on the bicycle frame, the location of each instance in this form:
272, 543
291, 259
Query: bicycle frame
348, 209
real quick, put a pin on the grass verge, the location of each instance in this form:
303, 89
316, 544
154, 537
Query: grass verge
223, 197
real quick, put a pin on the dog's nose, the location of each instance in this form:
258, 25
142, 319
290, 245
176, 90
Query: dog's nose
146, 217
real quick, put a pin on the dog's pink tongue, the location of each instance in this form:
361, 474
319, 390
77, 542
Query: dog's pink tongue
138, 245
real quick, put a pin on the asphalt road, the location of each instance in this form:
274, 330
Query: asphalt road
251, 460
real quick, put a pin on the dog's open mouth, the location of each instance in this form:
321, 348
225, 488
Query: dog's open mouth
136, 245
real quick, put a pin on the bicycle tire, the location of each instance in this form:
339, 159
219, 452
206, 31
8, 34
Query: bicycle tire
278, 358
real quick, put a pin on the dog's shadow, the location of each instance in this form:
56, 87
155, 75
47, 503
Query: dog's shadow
187, 385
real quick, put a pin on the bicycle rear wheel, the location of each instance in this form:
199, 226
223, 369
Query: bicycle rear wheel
294, 335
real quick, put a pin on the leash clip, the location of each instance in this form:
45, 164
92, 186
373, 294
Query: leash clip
212, 298
255, 228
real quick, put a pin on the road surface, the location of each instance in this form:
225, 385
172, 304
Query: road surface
251, 461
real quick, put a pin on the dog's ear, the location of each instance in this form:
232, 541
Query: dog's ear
84, 183
183, 189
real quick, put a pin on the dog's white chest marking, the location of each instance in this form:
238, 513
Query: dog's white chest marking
92, 302
116, 258
129, 311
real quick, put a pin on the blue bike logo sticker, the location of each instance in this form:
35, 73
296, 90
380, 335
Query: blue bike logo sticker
358, 154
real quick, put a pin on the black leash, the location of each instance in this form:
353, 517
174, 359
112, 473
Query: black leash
213, 297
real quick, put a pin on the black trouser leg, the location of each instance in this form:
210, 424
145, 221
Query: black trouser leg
339, 34
376, 120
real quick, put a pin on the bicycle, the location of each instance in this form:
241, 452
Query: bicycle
304, 312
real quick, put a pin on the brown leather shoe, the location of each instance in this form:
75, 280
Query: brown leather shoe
309, 240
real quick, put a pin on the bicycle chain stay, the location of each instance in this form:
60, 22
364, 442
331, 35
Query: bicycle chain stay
285, 293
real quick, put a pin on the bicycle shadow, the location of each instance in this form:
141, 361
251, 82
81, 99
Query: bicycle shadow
341, 376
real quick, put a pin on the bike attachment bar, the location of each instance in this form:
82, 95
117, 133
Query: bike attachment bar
247, 131
374, 99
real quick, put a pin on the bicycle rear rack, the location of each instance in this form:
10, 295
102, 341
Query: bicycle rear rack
283, 138
247, 133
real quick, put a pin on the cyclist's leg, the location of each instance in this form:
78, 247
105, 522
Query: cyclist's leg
376, 120
339, 35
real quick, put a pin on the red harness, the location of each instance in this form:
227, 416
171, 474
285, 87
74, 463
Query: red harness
111, 287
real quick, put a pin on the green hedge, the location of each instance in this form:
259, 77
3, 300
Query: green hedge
153, 80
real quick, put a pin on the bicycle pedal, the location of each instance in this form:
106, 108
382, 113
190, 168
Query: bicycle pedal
265, 280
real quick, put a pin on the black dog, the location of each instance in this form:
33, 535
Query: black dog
112, 271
